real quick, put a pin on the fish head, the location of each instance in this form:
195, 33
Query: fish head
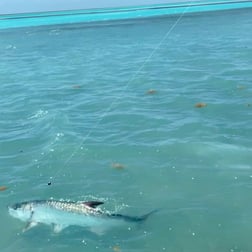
22, 211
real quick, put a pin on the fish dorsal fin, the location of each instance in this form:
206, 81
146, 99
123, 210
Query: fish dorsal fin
93, 204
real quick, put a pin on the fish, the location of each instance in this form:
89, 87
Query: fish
61, 214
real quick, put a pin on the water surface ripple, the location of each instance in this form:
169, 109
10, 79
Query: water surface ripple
75, 101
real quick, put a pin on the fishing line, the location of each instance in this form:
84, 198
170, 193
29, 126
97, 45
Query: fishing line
114, 102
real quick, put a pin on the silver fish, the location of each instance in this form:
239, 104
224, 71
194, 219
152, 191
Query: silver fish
62, 214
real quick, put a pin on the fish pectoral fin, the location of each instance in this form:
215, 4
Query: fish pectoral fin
57, 228
30, 225
98, 230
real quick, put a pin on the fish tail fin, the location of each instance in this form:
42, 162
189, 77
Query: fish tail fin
146, 216
134, 218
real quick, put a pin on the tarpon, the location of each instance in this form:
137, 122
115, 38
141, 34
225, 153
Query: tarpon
62, 214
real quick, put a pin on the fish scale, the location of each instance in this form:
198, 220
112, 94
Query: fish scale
78, 207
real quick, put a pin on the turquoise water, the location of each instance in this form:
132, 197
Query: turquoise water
75, 100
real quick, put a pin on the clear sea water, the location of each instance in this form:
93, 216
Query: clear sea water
75, 101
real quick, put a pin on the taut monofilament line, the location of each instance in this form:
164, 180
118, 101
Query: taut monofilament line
115, 101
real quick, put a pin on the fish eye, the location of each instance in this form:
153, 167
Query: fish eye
16, 206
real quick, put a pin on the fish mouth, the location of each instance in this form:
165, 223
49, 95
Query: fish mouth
10, 208
11, 211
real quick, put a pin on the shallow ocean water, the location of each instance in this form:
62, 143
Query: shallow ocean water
75, 100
